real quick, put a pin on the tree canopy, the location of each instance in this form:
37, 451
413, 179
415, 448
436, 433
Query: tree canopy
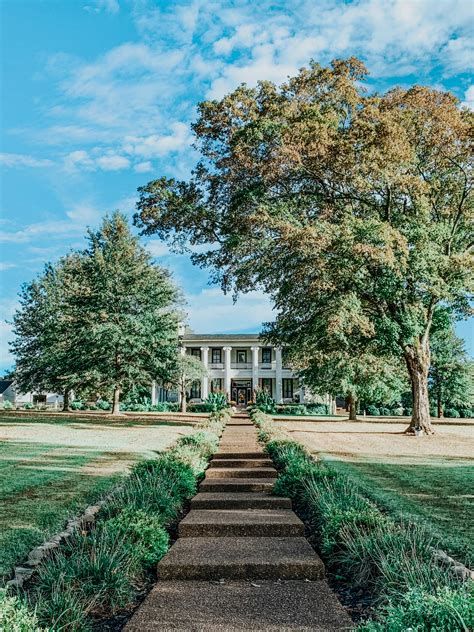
105, 318
324, 195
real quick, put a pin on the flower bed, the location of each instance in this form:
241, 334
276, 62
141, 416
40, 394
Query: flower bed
100, 572
397, 564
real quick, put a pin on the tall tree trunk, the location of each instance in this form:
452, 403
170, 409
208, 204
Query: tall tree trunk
439, 405
183, 400
351, 400
417, 359
66, 401
116, 402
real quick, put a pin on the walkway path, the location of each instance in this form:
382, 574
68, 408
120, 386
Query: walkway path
241, 561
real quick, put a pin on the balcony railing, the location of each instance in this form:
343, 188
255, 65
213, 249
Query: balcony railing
216, 365
241, 365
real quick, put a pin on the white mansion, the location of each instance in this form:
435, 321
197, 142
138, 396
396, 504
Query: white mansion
238, 364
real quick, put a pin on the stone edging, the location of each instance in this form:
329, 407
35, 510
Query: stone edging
37, 555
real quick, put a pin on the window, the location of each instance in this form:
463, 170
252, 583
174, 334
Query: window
287, 385
241, 356
216, 356
216, 385
267, 355
39, 399
195, 391
267, 385
196, 353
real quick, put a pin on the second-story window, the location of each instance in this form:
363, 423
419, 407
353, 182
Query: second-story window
241, 356
216, 356
196, 353
266, 355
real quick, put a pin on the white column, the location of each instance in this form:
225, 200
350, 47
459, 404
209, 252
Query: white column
278, 376
301, 393
205, 378
227, 351
255, 367
154, 399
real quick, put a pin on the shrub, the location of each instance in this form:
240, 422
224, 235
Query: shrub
165, 407
7, 405
95, 572
265, 402
77, 405
446, 610
158, 486
103, 404
28, 406
206, 442
216, 401
451, 412
408, 411
15, 615
142, 533
466, 413
295, 409
397, 412
372, 410
317, 409
384, 411
135, 407
284, 452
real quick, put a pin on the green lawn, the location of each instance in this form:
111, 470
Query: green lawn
51, 471
441, 496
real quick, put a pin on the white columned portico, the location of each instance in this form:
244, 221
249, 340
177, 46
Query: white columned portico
205, 378
254, 367
278, 376
227, 351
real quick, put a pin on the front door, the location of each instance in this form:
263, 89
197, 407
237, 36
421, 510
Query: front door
241, 396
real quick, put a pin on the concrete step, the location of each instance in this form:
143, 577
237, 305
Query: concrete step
240, 558
236, 485
224, 523
230, 500
250, 472
238, 455
240, 606
241, 463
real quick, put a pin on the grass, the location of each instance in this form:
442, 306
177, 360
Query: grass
438, 496
52, 471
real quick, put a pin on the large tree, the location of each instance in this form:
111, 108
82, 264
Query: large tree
127, 311
315, 190
45, 349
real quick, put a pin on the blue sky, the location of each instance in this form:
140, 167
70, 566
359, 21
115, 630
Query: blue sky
99, 95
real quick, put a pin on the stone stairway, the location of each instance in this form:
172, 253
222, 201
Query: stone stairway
241, 561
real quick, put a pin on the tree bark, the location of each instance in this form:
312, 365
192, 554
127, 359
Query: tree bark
66, 408
417, 359
352, 407
440, 407
183, 400
116, 401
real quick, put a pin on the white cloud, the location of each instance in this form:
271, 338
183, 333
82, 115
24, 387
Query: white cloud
6, 266
157, 248
143, 167
22, 160
108, 6
210, 311
157, 145
469, 98
113, 162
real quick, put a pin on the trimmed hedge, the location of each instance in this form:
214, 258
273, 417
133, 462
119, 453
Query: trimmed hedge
365, 548
98, 573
